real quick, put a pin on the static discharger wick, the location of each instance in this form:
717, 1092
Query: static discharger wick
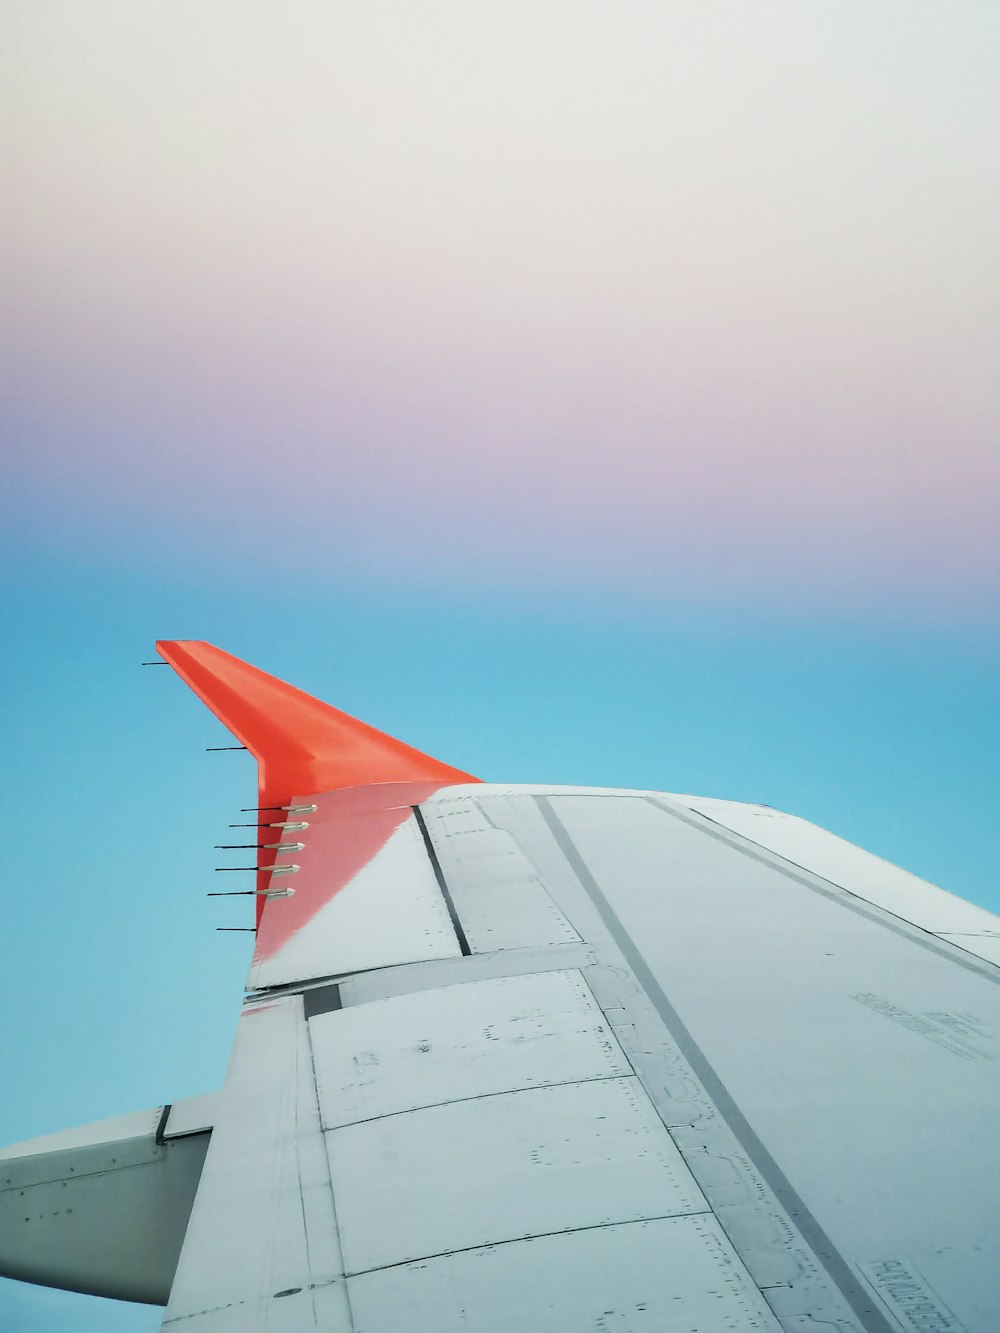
260, 847
289, 809
292, 825
254, 893
275, 870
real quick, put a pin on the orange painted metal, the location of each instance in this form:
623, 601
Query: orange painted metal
302, 745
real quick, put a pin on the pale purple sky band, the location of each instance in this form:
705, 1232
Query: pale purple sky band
679, 299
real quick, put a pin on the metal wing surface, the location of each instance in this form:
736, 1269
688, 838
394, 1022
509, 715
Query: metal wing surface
555, 1057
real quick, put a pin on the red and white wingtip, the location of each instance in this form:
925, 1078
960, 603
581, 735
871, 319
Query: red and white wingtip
302, 745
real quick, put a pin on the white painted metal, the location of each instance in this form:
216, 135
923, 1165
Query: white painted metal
263, 1221
775, 1053
461, 1041
860, 1052
986, 947
382, 983
322, 1309
850, 867
134, 1129
499, 898
671, 1275
501, 1168
516, 914
391, 912
849, 1051
100, 1209
193, 1115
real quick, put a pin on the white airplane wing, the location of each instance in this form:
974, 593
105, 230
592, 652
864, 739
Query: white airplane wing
565, 1059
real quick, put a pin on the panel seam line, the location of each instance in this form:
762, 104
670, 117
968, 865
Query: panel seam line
535, 1235
482, 1097
463, 943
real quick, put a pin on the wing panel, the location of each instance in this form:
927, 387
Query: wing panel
461, 1041
499, 1168
672, 1275
844, 1046
263, 1227
859, 872
494, 886
771, 1093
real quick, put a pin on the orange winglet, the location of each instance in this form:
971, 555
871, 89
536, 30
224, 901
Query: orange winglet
302, 745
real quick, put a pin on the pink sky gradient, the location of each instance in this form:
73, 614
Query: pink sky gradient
684, 301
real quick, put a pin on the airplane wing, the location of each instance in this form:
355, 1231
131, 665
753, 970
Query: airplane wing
550, 1058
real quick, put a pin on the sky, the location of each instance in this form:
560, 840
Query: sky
584, 392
